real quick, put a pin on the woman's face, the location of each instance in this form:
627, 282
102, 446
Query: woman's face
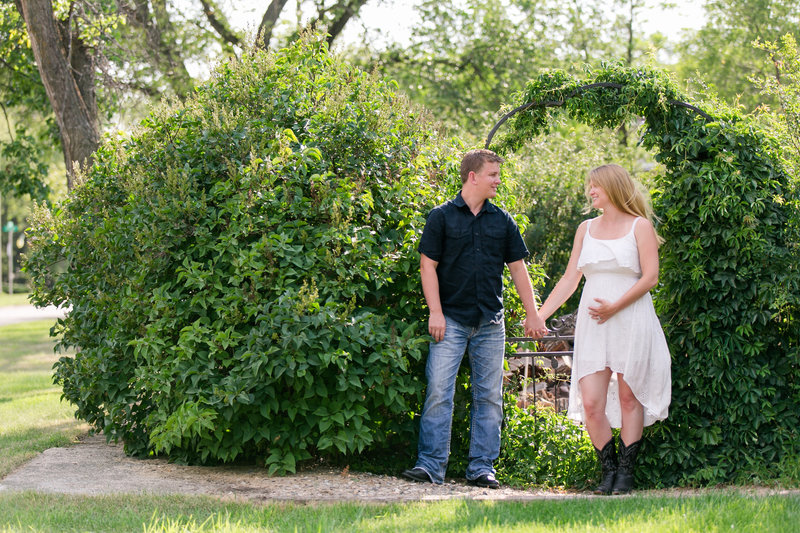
598, 195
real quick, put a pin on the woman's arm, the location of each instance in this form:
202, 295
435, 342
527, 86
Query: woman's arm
569, 280
534, 325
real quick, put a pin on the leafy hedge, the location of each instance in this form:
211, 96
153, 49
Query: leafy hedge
729, 293
243, 272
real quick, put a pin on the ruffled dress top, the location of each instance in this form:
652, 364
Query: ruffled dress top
630, 343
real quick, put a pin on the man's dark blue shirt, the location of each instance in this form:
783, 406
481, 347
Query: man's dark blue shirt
472, 252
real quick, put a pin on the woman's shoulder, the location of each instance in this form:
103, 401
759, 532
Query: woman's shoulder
583, 227
643, 224
644, 231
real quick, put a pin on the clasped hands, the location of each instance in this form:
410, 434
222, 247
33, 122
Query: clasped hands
534, 327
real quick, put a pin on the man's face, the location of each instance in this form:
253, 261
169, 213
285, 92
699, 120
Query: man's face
487, 179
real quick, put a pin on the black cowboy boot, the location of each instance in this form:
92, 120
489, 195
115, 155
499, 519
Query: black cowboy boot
627, 457
608, 460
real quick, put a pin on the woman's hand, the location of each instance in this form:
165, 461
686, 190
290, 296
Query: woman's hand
603, 311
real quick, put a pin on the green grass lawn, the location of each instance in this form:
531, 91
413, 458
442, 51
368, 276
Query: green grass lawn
18, 298
32, 418
718, 511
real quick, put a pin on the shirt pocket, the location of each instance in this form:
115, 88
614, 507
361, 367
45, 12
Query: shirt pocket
457, 232
493, 241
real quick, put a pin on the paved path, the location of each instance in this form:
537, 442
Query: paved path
26, 313
93, 467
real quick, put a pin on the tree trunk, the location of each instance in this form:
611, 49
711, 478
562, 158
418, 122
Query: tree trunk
66, 68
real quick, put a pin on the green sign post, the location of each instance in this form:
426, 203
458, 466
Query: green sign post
10, 227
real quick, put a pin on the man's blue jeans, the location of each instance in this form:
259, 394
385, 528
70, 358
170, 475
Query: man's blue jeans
485, 345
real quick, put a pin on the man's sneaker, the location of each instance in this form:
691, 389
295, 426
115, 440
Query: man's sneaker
485, 481
417, 474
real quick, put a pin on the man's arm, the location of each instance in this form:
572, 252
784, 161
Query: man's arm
430, 288
534, 325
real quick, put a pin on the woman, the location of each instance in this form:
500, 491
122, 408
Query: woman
621, 362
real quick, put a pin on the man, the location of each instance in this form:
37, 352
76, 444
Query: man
464, 247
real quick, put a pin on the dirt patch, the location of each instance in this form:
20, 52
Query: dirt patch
93, 467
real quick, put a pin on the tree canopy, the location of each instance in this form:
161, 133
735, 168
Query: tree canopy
93, 58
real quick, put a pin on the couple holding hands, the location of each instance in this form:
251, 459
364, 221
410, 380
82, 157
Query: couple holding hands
621, 363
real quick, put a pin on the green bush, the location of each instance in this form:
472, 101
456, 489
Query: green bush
243, 272
542, 447
729, 293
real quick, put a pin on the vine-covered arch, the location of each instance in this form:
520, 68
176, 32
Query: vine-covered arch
729, 295
575, 92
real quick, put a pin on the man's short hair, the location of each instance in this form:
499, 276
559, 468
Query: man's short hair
474, 159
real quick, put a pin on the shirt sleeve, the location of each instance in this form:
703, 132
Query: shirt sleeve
515, 245
430, 243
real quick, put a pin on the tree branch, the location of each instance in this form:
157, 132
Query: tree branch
220, 25
8, 122
348, 11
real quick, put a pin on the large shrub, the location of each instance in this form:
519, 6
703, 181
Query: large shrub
729, 296
242, 270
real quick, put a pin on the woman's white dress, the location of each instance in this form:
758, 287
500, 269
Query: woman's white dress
630, 343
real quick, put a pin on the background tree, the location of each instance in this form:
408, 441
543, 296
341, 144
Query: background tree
721, 56
783, 85
466, 57
67, 71
94, 54
25, 144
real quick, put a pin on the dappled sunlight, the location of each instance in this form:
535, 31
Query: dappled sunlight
43, 411
21, 384
29, 362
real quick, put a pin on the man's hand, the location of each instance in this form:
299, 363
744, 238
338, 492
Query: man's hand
436, 326
534, 327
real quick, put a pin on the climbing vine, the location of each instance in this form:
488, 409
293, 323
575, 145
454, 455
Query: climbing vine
729, 292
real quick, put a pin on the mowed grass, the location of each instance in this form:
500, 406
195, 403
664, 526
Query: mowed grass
32, 416
717, 511
18, 298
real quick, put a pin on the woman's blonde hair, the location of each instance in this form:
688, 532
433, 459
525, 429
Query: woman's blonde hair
623, 191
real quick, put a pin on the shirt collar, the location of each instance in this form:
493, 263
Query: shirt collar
488, 206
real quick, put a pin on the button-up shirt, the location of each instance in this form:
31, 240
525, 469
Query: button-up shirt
471, 251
